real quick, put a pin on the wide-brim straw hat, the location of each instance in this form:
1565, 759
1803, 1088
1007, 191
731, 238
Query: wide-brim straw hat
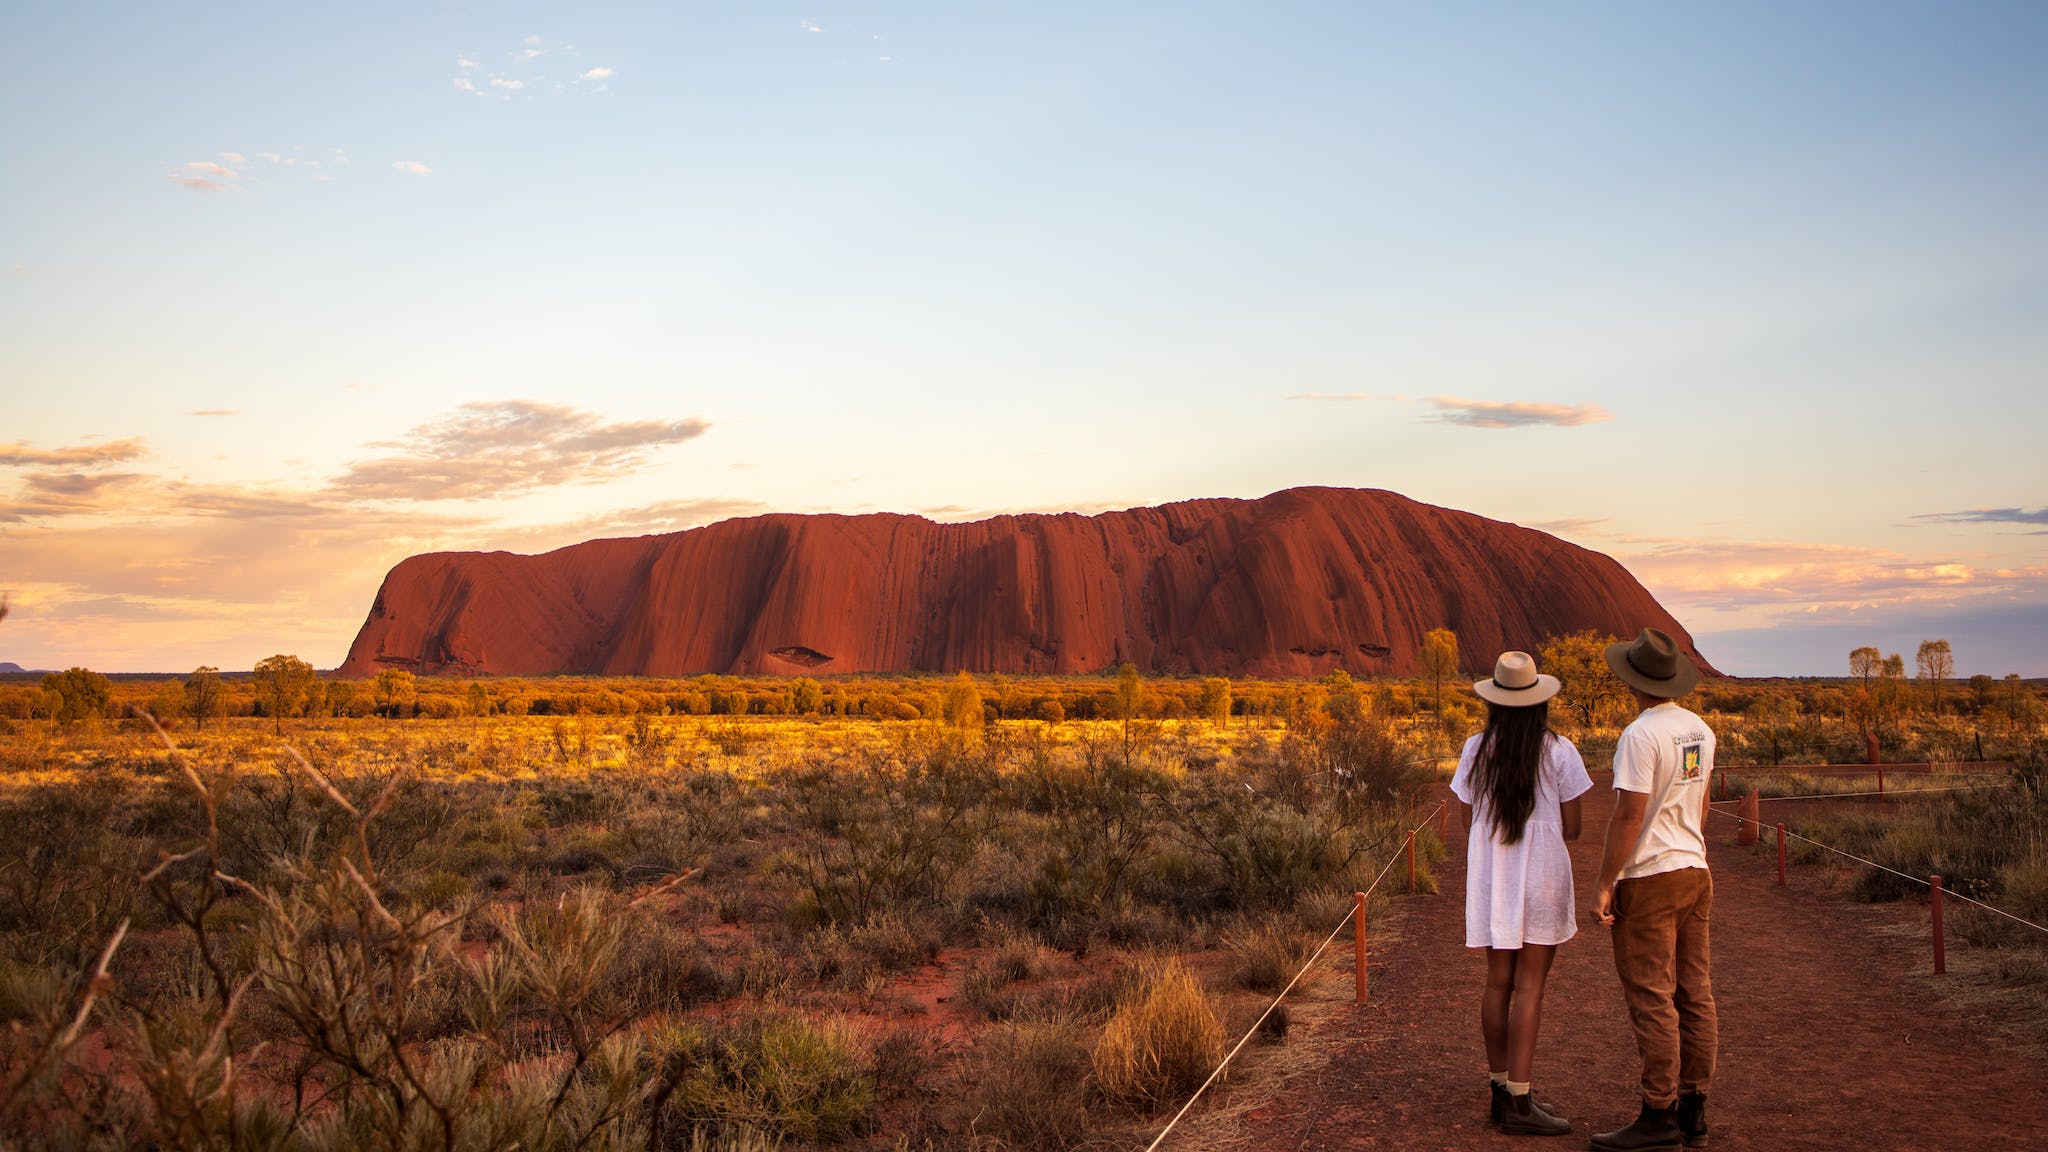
1652, 664
1516, 683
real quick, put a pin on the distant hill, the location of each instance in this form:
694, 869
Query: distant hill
9, 668
1294, 584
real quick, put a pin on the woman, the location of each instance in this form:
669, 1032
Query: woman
1518, 786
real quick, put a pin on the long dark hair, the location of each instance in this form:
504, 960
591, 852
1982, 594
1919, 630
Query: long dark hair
1505, 764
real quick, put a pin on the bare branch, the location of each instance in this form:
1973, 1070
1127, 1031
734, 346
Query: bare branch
94, 985
332, 794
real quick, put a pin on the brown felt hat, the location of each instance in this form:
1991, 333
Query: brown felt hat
1651, 663
1516, 683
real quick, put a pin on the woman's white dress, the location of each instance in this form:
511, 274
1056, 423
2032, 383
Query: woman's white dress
1521, 893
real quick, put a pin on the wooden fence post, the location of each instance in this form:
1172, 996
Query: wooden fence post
1358, 943
1781, 854
1940, 945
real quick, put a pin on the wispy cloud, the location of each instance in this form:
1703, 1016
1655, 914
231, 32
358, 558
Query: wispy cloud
1478, 413
536, 67
22, 454
510, 446
1347, 396
810, 25
216, 412
412, 166
203, 176
1515, 413
1573, 525
1723, 584
2036, 518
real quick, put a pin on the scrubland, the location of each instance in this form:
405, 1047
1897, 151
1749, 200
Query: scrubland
672, 927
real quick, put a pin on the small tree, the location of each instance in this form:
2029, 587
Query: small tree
80, 693
478, 699
1215, 699
1439, 663
202, 695
804, 695
961, 704
1865, 664
395, 691
1587, 685
282, 683
1130, 696
1934, 663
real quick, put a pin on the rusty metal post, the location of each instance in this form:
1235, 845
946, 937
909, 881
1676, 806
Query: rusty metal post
1411, 862
1358, 942
1781, 854
1940, 945
1749, 813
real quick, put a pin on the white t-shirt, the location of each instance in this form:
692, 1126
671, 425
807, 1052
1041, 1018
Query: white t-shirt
1521, 893
1667, 754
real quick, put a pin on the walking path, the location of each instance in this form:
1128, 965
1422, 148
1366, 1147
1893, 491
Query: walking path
1832, 1033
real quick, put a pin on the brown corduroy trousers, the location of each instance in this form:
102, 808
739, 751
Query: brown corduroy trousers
1660, 952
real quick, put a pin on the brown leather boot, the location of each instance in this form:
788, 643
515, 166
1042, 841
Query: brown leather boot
1655, 1130
1692, 1118
1523, 1116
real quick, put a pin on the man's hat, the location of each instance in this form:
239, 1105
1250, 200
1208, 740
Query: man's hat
1515, 682
1651, 663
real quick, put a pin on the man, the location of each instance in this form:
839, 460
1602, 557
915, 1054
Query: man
1656, 893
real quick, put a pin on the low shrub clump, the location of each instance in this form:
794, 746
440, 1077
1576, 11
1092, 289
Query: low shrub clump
1163, 1042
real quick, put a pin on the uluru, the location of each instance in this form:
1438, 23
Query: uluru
1293, 584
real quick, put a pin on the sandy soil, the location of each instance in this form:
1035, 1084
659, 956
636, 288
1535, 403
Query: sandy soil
1834, 1034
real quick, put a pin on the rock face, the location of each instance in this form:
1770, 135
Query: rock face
1295, 584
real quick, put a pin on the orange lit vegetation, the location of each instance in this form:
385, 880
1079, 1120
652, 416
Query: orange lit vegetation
977, 912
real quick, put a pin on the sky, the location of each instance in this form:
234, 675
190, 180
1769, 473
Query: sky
1752, 297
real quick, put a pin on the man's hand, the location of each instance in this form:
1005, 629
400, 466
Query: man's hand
1603, 905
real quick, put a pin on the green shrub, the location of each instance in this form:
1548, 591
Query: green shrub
787, 1075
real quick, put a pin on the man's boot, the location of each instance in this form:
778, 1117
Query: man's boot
1655, 1130
1692, 1118
1523, 1116
1499, 1107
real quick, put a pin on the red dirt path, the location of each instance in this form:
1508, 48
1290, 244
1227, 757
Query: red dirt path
1833, 1033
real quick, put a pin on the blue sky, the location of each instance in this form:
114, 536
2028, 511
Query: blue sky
1749, 296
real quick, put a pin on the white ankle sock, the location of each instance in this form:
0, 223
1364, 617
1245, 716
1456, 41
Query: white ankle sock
1518, 1087
1500, 1078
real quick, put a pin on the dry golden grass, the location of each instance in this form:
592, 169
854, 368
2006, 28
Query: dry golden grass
1164, 1042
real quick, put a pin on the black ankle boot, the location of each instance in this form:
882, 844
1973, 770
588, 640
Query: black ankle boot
1499, 1106
1692, 1118
1523, 1116
1655, 1130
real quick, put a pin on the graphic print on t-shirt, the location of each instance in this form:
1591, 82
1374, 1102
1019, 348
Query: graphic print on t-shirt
1689, 763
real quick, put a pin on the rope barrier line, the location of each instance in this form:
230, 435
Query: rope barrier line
1886, 792
1306, 965
1921, 881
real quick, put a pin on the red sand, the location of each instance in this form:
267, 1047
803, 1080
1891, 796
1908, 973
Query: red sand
1834, 1033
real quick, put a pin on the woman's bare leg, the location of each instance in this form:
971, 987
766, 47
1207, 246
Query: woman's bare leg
1493, 1005
1530, 973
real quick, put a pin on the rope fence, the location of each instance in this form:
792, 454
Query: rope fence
1440, 813
1885, 792
1937, 891
1356, 913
